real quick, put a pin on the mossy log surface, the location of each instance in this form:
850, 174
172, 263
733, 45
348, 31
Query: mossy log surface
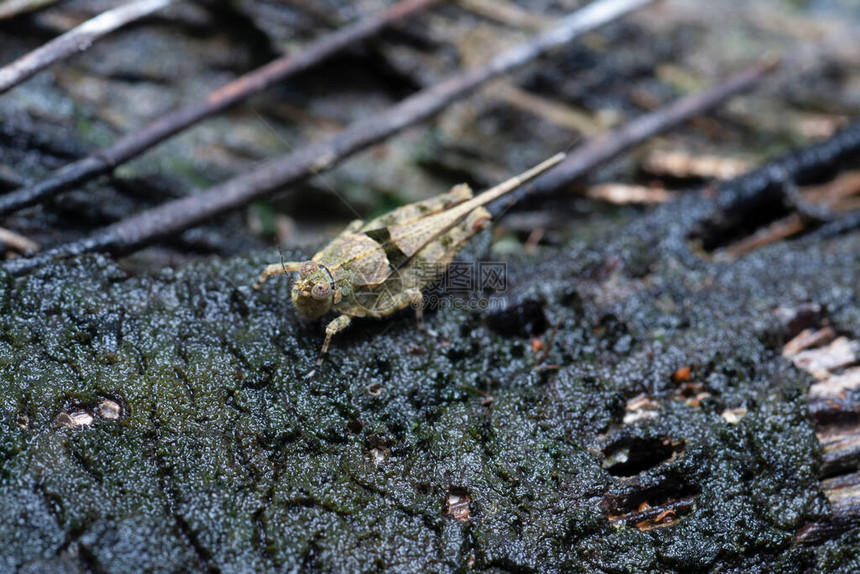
225, 457
623, 406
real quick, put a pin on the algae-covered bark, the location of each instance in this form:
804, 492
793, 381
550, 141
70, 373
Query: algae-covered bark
224, 457
622, 407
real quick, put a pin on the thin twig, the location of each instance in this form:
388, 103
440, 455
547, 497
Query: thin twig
12, 8
604, 148
777, 181
841, 226
17, 242
543, 356
75, 40
134, 144
488, 398
768, 235
828, 200
506, 12
550, 110
176, 216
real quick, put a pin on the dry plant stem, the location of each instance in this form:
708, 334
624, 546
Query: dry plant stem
604, 148
134, 144
17, 242
75, 40
12, 8
506, 12
841, 226
776, 231
177, 216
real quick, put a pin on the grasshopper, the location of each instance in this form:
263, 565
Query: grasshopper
376, 268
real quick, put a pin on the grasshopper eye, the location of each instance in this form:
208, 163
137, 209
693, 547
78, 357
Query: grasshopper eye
307, 268
321, 291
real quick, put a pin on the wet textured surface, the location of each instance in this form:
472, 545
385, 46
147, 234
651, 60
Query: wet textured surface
224, 456
623, 407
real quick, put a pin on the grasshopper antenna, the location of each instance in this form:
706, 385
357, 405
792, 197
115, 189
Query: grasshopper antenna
576, 141
283, 263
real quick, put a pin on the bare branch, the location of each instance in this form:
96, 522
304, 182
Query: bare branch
604, 148
176, 216
159, 130
12, 8
75, 40
144, 229
843, 225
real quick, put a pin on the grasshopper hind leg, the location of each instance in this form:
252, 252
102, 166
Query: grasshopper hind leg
387, 304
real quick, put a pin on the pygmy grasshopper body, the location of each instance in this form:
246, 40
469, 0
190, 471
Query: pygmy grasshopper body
374, 269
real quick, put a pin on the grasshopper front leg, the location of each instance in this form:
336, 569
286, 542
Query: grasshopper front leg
332, 329
409, 297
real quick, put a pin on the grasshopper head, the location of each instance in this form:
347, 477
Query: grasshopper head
313, 292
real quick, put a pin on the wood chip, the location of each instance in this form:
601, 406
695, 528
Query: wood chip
807, 339
641, 407
684, 165
819, 362
74, 419
837, 385
734, 416
458, 505
622, 194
